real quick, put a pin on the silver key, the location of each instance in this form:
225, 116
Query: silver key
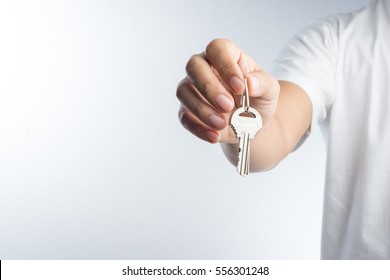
246, 122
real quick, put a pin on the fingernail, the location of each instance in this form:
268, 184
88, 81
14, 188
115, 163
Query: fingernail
225, 103
213, 137
236, 84
217, 121
254, 82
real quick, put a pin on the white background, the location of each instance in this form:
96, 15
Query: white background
93, 161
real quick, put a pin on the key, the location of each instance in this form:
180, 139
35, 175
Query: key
246, 122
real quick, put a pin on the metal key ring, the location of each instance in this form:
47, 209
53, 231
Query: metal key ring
245, 97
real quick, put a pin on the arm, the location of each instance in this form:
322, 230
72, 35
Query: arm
213, 86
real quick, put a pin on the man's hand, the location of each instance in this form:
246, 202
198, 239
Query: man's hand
213, 87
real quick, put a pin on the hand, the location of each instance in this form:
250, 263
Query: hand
213, 88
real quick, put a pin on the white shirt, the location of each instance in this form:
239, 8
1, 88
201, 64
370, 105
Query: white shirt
343, 64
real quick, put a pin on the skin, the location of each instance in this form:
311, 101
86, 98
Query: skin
211, 92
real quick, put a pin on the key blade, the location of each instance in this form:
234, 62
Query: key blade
243, 153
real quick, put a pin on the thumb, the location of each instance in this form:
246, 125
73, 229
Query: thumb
263, 85
264, 93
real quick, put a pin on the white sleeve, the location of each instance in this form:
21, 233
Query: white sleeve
309, 60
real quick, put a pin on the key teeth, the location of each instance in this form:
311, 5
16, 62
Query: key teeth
234, 130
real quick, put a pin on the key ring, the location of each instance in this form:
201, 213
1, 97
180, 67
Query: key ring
245, 97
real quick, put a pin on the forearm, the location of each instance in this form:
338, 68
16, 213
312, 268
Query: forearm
281, 133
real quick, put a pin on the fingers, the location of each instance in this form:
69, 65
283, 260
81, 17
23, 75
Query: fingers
191, 99
196, 127
200, 118
202, 131
224, 56
207, 83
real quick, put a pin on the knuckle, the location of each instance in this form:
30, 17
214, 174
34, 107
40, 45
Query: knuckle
215, 45
181, 88
183, 118
193, 63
